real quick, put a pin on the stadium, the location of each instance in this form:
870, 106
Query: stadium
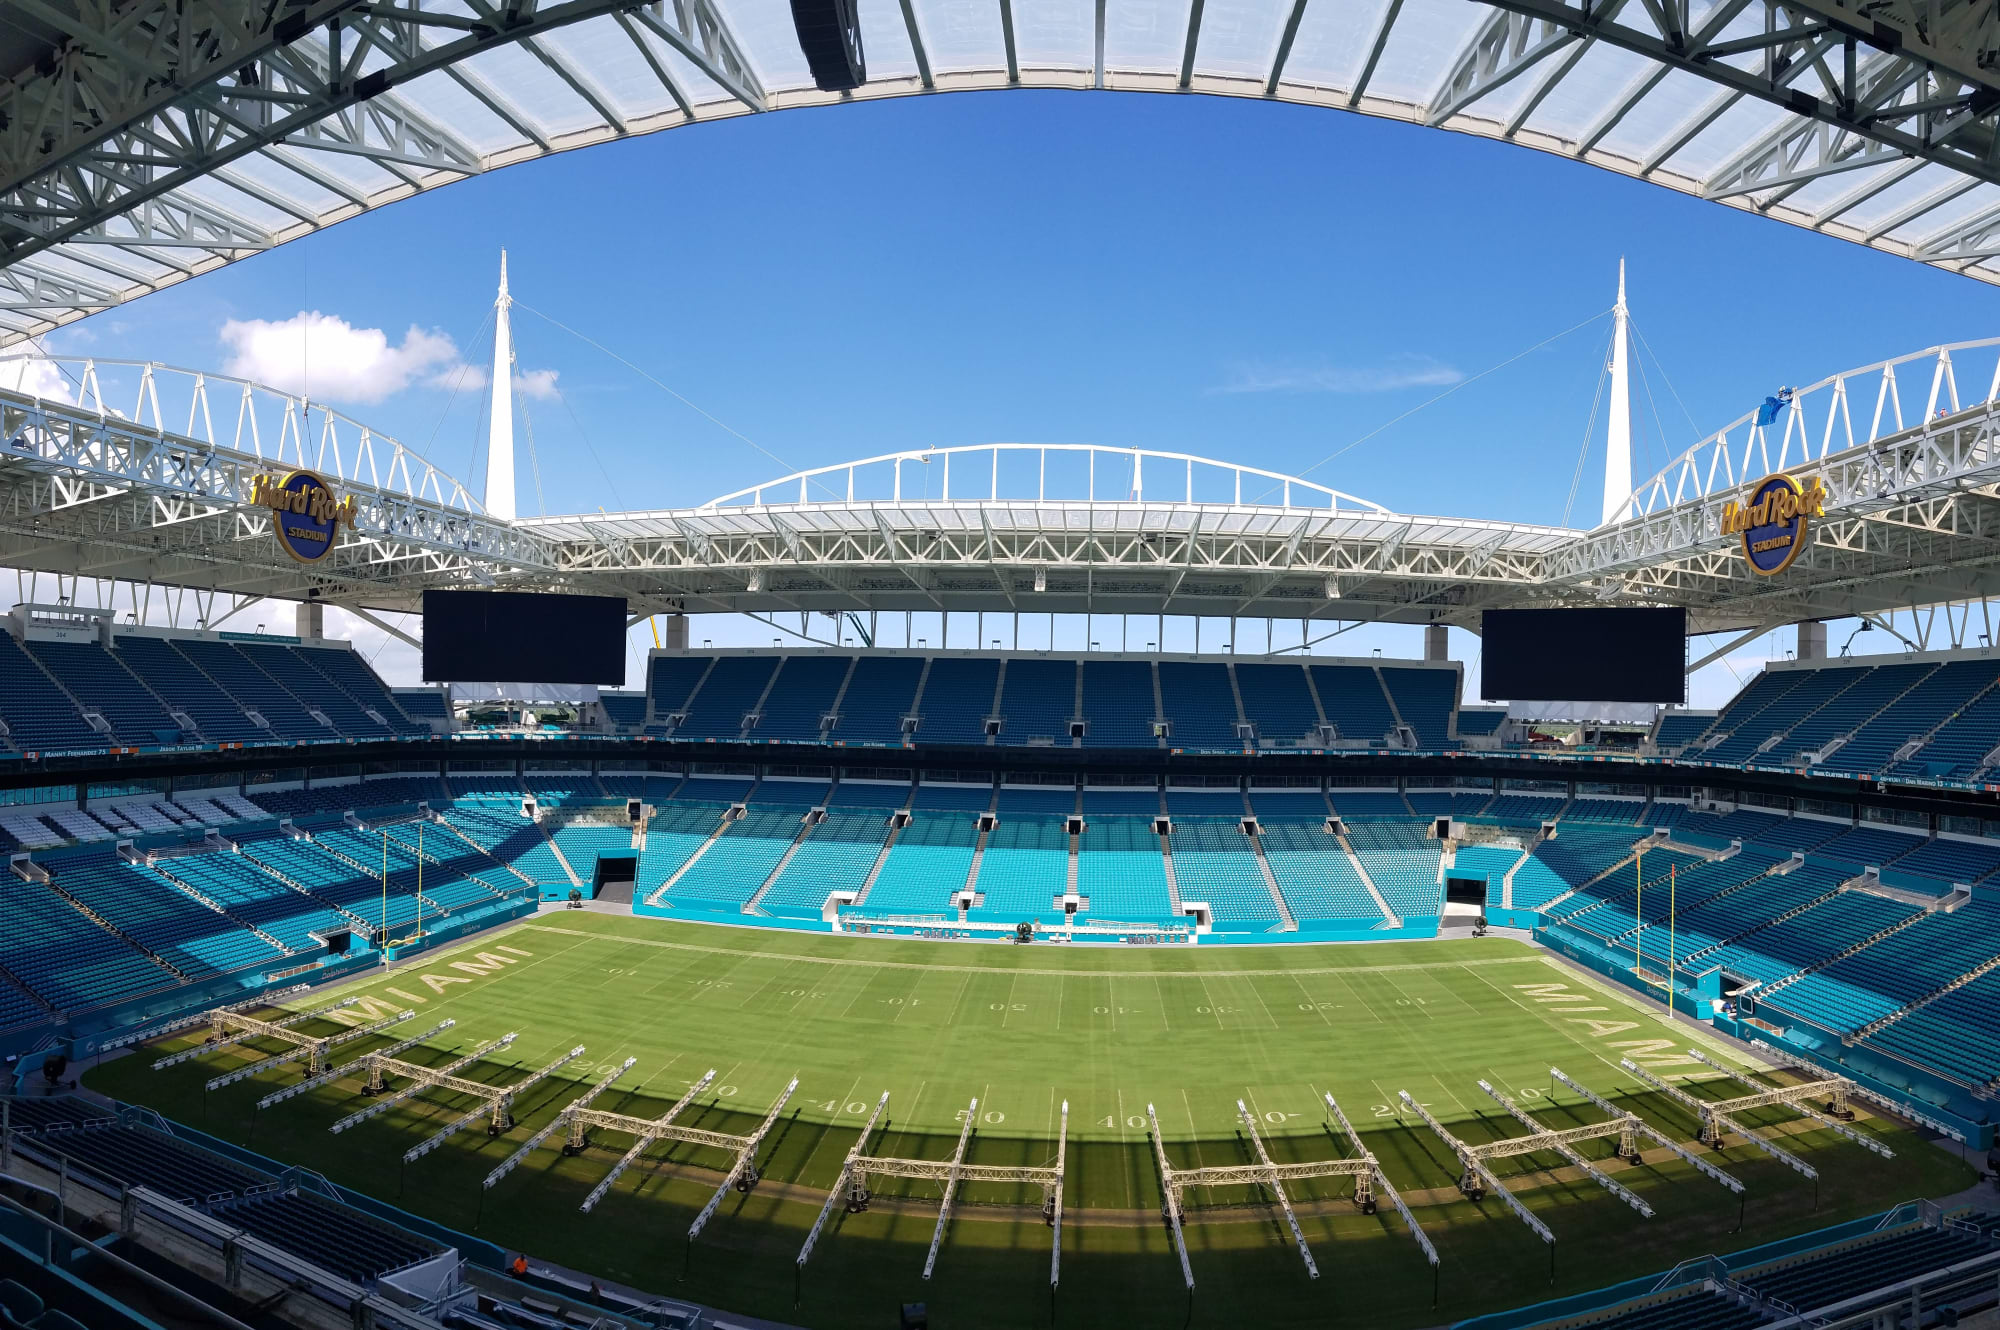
857, 980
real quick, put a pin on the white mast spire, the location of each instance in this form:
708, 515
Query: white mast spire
1618, 444
500, 438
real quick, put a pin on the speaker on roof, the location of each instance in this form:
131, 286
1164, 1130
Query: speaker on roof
830, 35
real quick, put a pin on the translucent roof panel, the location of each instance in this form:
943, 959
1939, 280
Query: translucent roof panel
1589, 88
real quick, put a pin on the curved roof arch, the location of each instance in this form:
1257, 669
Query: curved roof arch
195, 132
1106, 472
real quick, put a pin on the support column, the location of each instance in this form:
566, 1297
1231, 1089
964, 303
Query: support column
677, 632
1437, 642
310, 621
1812, 640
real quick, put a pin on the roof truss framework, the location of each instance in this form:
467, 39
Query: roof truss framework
147, 141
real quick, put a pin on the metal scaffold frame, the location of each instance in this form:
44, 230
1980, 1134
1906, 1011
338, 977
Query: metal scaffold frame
381, 1066
579, 1118
851, 1186
333, 1074
496, 1104
228, 1026
1271, 1175
1718, 1117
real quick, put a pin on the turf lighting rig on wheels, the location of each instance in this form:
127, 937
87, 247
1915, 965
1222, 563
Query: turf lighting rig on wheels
1718, 1116
1271, 1175
851, 1186
579, 1119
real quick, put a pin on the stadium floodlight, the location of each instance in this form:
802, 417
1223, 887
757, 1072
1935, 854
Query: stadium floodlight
1563, 1142
1170, 1202
743, 1174
1477, 1179
333, 1074
1646, 1129
313, 1050
581, 1120
561, 1123
1716, 1122
497, 1106
1381, 1181
1267, 1173
228, 1026
841, 1182
1796, 1097
852, 1183
266, 999
380, 1068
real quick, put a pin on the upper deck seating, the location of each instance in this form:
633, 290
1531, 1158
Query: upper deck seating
1961, 745
1847, 711
429, 704
726, 697
1038, 702
1278, 701
1205, 803
1940, 695
175, 678
1352, 697
1677, 729
38, 714
800, 697
1200, 708
1425, 699
1480, 720
958, 697
881, 691
671, 681
239, 675
99, 679
296, 669
1118, 704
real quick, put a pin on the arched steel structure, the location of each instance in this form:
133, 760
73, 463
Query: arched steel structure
147, 141
139, 473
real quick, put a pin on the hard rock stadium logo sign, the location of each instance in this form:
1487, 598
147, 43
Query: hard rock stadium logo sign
1774, 521
305, 516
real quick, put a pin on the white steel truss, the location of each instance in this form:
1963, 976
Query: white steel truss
1718, 1116
313, 1050
228, 1026
381, 1066
1264, 1172
142, 143
560, 1123
143, 476
851, 1186
496, 1103
345, 1070
579, 1119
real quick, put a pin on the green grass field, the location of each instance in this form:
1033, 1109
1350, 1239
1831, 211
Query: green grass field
1023, 1028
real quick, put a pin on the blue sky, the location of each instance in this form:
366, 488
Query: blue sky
1254, 282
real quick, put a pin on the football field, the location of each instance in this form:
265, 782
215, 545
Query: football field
1022, 1030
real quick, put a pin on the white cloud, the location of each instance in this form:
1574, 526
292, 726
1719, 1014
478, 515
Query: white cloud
331, 358
1391, 376
26, 369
